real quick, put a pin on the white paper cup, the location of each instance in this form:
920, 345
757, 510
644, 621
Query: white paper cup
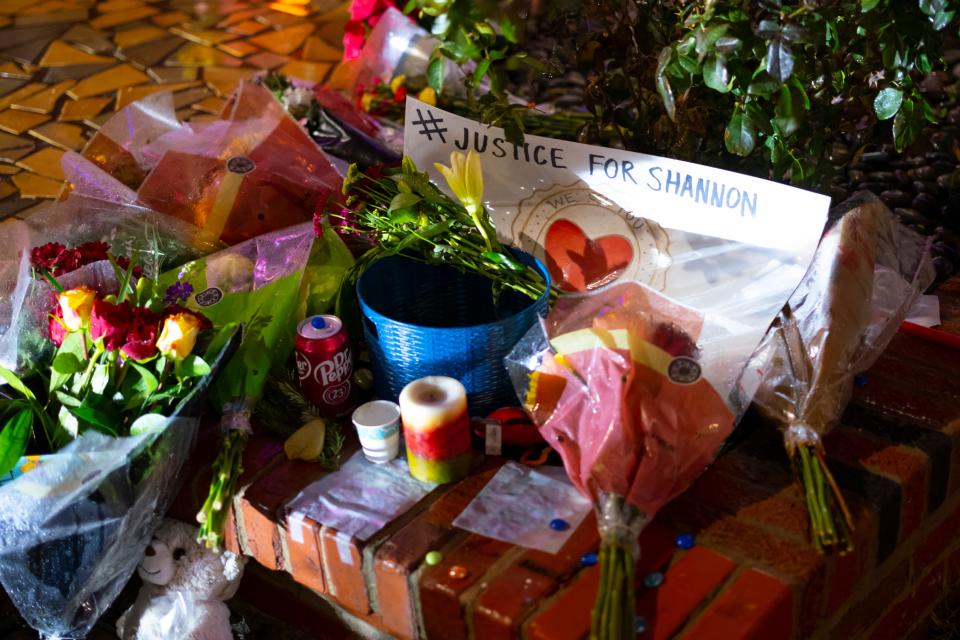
378, 426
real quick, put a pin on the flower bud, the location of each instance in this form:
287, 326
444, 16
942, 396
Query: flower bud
179, 335
76, 305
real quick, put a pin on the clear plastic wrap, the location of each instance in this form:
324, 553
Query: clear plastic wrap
864, 280
157, 241
74, 526
252, 171
519, 503
359, 498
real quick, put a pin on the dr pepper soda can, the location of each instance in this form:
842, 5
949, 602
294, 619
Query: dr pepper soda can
325, 365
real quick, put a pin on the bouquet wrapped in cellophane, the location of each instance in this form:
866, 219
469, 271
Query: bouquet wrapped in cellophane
102, 410
862, 283
627, 387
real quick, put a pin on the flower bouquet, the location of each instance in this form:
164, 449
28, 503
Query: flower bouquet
863, 282
266, 284
93, 436
625, 385
400, 212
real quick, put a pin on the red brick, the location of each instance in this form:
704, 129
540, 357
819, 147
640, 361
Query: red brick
500, 608
231, 539
258, 537
939, 539
902, 616
795, 563
886, 588
904, 465
399, 556
753, 606
262, 502
567, 560
343, 570
568, 614
303, 552
847, 570
686, 586
567, 617
440, 594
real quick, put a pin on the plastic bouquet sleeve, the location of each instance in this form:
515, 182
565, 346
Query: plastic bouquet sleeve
865, 277
155, 241
621, 384
253, 171
264, 284
74, 524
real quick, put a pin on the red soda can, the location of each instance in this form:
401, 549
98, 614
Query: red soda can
325, 365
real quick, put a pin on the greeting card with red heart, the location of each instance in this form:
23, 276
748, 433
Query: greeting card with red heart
578, 262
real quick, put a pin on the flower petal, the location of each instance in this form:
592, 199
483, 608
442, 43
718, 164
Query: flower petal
473, 177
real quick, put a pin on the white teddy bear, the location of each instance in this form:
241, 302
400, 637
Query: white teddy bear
185, 586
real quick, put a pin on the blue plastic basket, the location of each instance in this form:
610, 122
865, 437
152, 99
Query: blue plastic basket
421, 319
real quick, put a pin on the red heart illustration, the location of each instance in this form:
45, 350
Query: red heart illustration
578, 263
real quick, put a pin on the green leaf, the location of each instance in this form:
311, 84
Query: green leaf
715, 74
907, 125
482, 67
66, 399
740, 136
707, 38
15, 383
435, 74
779, 60
868, 5
508, 29
689, 64
14, 438
97, 418
400, 217
728, 44
763, 86
789, 111
663, 83
64, 365
193, 366
402, 201
887, 103
503, 259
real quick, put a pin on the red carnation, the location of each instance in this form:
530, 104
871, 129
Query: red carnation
67, 261
110, 322
141, 339
56, 330
45, 256
400, 94
354, 36
92, 251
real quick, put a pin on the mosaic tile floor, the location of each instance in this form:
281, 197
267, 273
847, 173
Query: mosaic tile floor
67, 65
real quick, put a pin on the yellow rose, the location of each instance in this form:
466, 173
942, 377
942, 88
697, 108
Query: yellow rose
398, 82
429, 96
178, 335
76, 305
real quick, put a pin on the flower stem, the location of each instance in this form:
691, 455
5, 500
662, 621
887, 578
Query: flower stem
831, 524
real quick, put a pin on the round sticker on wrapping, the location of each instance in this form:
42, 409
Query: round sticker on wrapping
209, 297
240, 164
683, 370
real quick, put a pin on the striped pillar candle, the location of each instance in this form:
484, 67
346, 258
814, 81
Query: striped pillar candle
436, 428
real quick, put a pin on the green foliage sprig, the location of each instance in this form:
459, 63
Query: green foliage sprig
760, 87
